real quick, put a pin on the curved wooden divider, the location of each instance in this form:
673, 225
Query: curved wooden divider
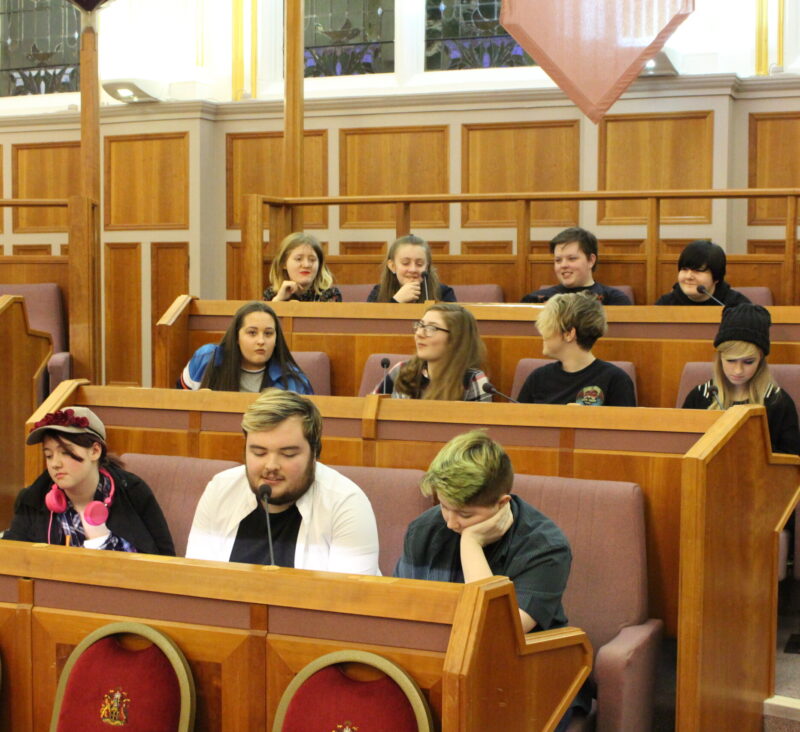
21, 389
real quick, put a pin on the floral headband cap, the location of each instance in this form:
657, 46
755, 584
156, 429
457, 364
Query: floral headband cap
76, 420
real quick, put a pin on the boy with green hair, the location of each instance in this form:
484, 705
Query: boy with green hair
479, 530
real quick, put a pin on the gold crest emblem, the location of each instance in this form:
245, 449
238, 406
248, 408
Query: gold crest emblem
345, 727
114, 709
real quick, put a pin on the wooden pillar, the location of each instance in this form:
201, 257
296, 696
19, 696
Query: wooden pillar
523, 247
84, 289
90, 110
402, 217
651, 247
293, 48
790, 252
253, 245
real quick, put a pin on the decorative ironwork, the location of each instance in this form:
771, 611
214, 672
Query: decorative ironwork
39, 47
347, 37
466, 34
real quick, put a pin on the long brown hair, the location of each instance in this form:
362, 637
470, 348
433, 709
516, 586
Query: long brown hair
277, 272
466, 351
389, 284
225, 375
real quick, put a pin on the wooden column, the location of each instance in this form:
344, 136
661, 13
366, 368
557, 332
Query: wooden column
651, 247
523, 246
253, 244
790, 251
90, 109
84, 289
293, 46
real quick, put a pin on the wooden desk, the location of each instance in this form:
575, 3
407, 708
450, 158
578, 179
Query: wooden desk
658, 340
247, 630
716, 499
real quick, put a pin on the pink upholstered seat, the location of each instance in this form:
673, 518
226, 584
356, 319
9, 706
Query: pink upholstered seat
396, 500
757, 295
786, 375
373, 372
355, 293
526, 366
177, 483
317, 366
607, 590
45, 309
479, 293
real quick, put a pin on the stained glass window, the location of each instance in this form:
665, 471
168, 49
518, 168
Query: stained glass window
39, 47
466, 34
346, 37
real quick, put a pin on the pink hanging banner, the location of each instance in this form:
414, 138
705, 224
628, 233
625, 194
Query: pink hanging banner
593, 49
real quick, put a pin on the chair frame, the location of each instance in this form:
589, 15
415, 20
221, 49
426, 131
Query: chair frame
165, 644
400, 676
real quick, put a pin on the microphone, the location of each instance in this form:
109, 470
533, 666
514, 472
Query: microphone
703, 290
264, 492
385, 367
425, 282
489, 388
714, 391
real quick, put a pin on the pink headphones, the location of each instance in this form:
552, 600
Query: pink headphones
95, 513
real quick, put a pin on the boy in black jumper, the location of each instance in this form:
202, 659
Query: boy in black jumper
570, 326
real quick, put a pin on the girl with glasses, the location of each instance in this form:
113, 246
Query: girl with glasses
448, 362
408, 275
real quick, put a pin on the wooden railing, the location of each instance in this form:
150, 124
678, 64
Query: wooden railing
83, 292
284, 215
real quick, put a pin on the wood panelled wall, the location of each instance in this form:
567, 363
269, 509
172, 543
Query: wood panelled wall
774, 162
394, 160
254, 164
147, 186
652, 152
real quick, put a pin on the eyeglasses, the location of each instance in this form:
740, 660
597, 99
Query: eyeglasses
428, 329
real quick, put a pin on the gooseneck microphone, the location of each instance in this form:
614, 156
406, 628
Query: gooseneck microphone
264, 492
385, 367
489, 388
425, 282
714, 391
703, 290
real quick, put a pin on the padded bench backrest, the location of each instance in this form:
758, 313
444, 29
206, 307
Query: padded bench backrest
604, 523
177, 483
45, 310
396, 500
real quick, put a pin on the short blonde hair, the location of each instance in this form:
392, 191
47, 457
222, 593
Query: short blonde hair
470, 469
580, 310
277, 272
275, 406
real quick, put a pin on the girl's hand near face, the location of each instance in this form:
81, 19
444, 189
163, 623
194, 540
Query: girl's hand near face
286, 290
409, 292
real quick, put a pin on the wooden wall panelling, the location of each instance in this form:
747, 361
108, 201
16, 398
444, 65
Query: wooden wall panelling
169, 277
254, 164
234, 263
360, 248
656, 152
356, 269
487, 247
766, 246
228, 665
773, 162
147, 181
481, 269
520, 157
15, 636
44, 170
32, 250
123, 313
394, 160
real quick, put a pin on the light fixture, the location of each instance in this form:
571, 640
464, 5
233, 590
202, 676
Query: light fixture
659, 65
135, 91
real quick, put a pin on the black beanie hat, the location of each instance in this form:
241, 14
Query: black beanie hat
745, 322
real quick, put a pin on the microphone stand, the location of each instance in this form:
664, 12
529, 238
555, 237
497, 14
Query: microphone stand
264, 492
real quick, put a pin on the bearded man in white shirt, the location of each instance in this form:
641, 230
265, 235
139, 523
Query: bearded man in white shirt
319, 519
